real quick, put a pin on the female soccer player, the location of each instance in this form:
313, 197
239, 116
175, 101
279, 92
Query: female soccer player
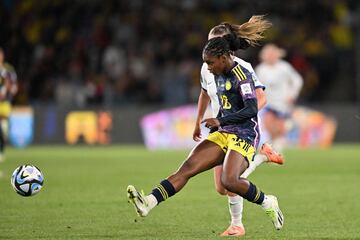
248, 33
232, 145
284, 84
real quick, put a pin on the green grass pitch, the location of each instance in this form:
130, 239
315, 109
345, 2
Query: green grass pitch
84, 196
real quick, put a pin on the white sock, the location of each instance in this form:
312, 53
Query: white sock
266, 203
152, 201
258, 159
236, 209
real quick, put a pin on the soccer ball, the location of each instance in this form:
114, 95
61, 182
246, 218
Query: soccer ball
27, 180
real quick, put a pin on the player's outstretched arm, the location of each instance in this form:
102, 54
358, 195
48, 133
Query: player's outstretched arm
203, 102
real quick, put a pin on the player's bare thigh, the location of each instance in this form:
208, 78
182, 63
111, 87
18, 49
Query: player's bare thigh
234, 165
204, 156
217, 180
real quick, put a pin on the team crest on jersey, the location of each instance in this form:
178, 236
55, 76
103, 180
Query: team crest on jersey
228, 85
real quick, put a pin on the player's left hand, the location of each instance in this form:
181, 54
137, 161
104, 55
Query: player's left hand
211, 122
197, 133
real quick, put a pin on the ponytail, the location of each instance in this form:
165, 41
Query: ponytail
252, 31
244, 35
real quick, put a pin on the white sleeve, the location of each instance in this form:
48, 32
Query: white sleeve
249, 67
295, 81
256, 80
205, 76
254, 77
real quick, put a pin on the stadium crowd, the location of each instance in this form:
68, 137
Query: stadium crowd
129, 52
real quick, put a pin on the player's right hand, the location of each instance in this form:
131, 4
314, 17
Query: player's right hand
197, 133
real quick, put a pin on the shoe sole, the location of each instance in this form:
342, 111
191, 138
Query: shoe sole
132, 195
237, 234
232, 235
280, 215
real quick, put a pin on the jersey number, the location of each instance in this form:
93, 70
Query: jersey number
225, 102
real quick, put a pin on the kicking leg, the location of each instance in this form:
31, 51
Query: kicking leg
204, 156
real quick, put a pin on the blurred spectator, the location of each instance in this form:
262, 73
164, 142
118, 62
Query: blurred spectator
121, 52
8, 89
114, 62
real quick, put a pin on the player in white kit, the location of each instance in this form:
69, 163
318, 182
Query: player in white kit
283, 84
209, 94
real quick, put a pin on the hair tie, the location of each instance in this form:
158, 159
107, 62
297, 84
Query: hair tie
235, 42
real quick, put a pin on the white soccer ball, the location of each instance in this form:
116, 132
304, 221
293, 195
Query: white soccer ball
27, 180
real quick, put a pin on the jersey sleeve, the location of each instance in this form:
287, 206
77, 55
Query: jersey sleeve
244, 81
247, 88
250, 69
254, 77
257, 83
295, 81
204, 74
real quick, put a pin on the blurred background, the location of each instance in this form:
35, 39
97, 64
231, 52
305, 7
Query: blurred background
91, 71
101, 82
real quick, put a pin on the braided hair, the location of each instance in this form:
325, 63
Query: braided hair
217, 47
226, 44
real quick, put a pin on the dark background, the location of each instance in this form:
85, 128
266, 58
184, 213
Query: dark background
110, 53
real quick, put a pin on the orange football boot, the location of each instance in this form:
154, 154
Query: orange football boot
271, 154
235, 231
